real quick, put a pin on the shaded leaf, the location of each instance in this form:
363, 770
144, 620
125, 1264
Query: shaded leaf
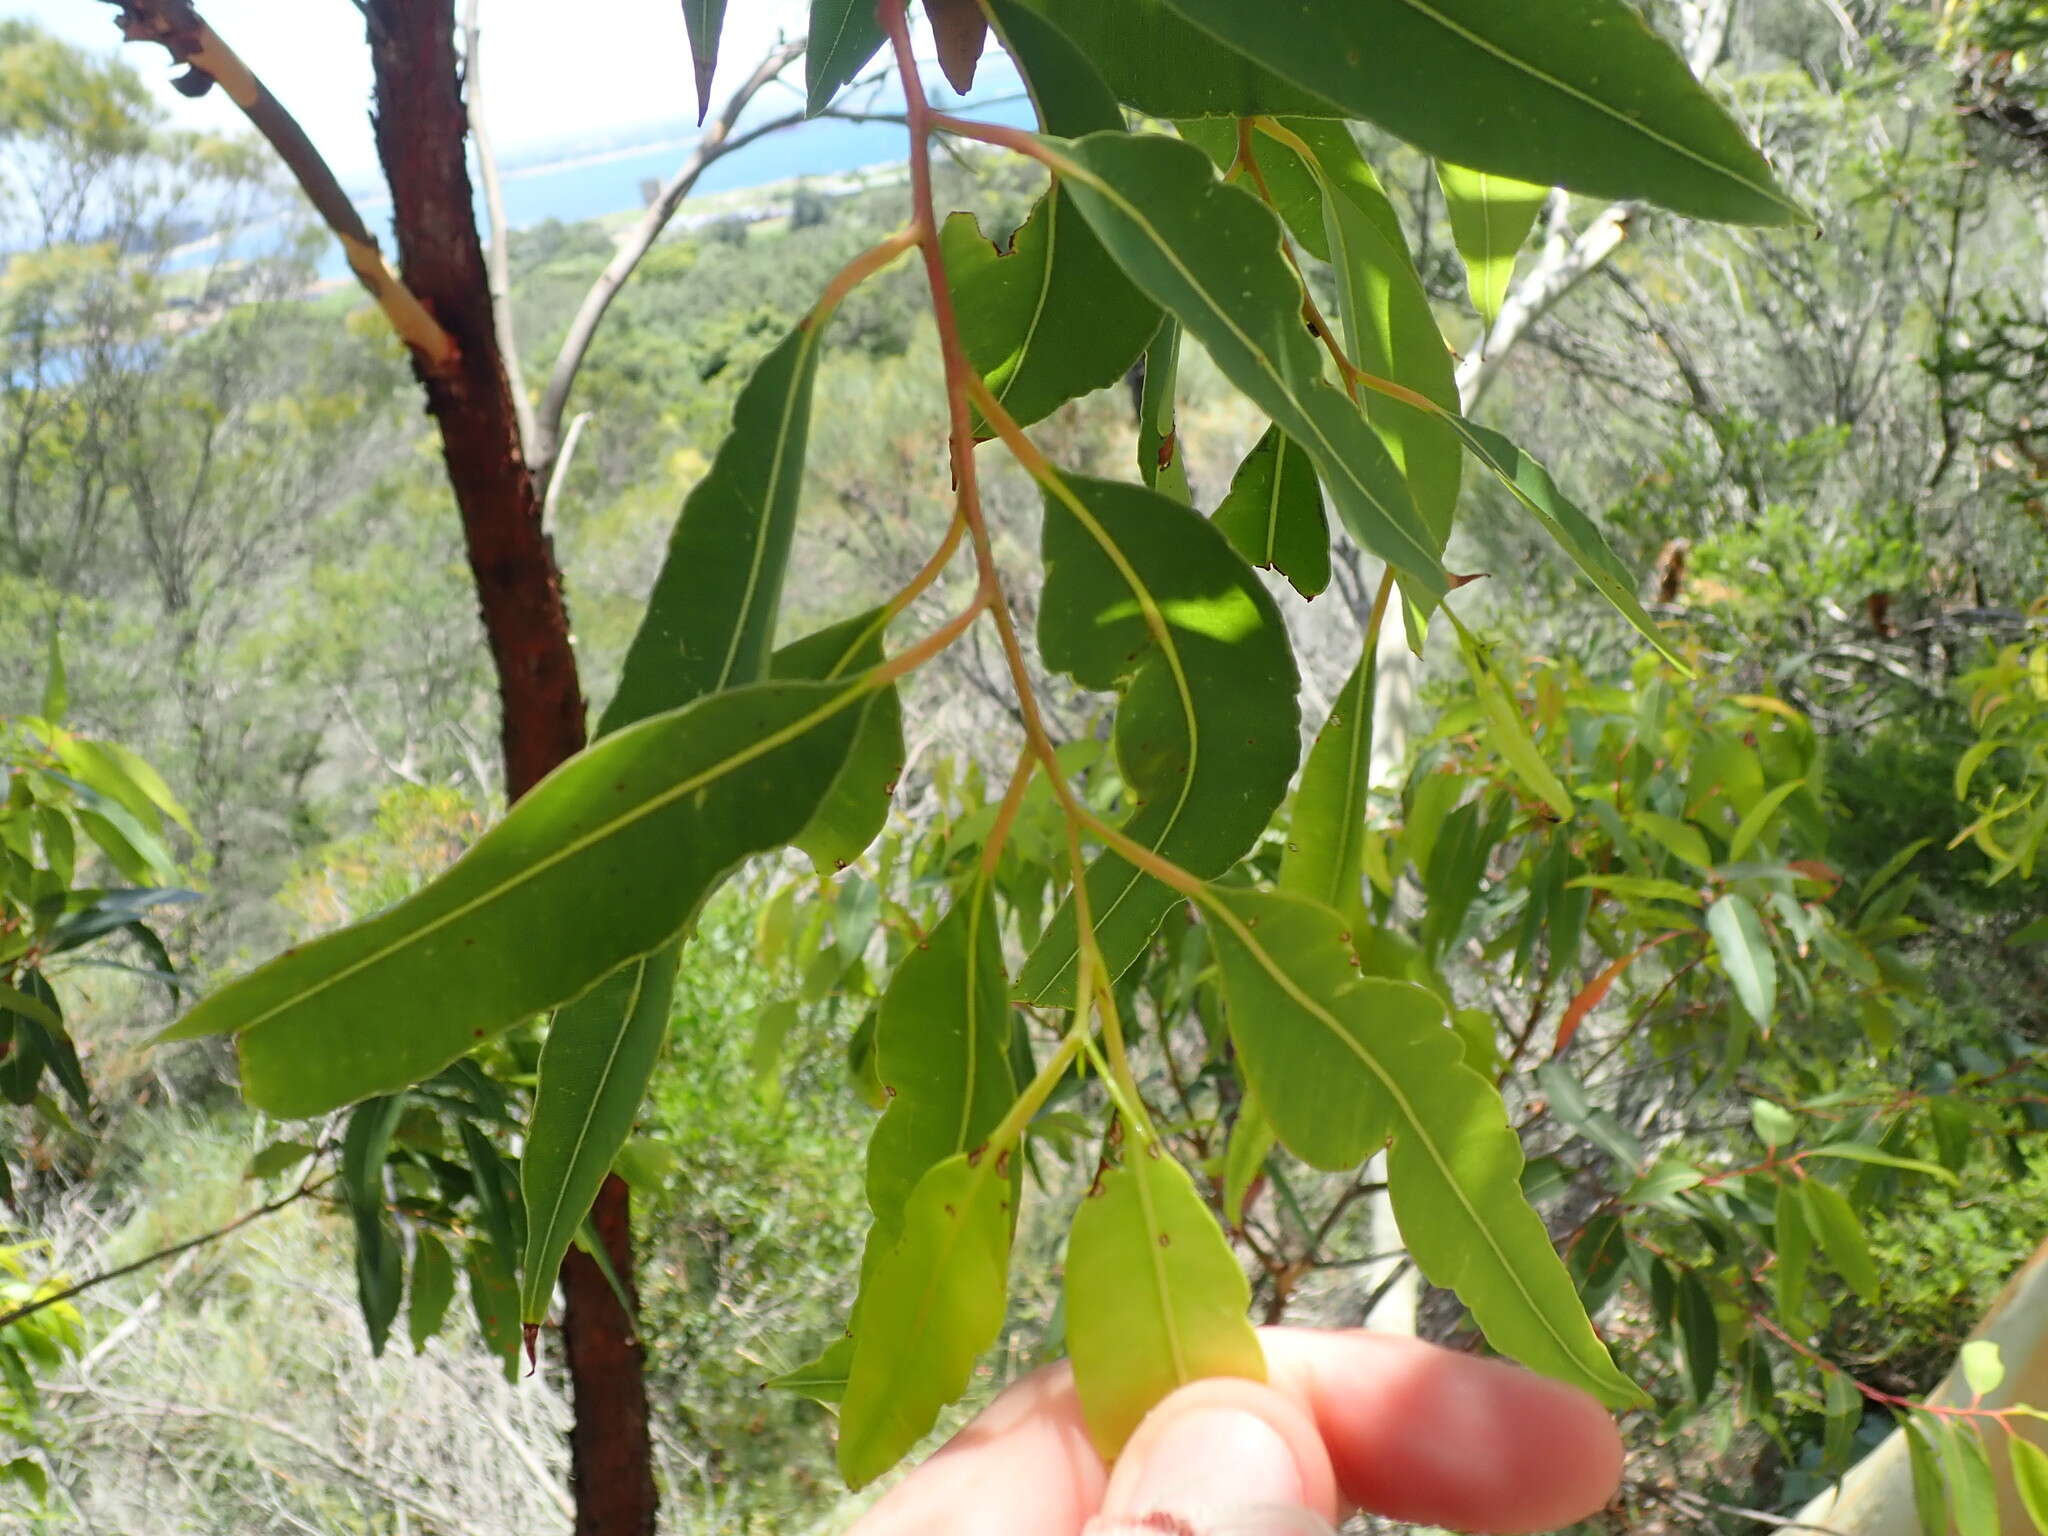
1320, 1043
1857, 1152
958, 29
942, 1041
704, 20
1794, 1241
1508, 731
1491, 217
1972, 1494
1840, 1236
823, 1380
856, 807
1154, 1296
594, 1066
608, 857
1573, 93
494, 1295
1145, 596
433, 1287
380, 1273
844, 35
1273, 514
1701, 1331
1325, 858
1930, 1496
1160, 64
1252, 1139
1161, 463
1842, 1409
1210, 255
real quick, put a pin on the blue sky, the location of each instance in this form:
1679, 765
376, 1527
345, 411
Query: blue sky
623, 63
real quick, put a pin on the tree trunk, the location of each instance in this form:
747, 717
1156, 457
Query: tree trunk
421, 128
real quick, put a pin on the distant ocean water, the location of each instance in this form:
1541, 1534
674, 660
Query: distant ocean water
589, 186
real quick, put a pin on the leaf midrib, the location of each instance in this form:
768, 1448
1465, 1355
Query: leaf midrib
1154, 1231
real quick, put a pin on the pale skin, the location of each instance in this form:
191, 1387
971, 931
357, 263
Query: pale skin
1347, 1421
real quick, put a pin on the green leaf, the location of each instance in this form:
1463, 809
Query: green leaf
931, 1300
711, 615
1161, 464
1210, 255
1389, 328
1145, 596
380, 1265
608, 857
594, 1066
1337, 1060
1161, 65
1491, 217
1572, 530
823, 1380
1982, 1367
2030, 1478
1325, 858
773, 1022
1572, 93
274, 1159
1843, 1415
1052, 317
856, 807
1759, 816
942, 1042
1857, 1152
497, 1194
1972, 1494
1154, 1296
1273, 514
1840, 1236
495, 1296
844, 35
1794, 1242
2035, 932
1701, 1331
1252, 1139
1638, 888
1775, 1125
433, 1287
1508, 730
1930, 1495
704, 20
28, 1472
1746, 956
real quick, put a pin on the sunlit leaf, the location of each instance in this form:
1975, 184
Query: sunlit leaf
1155, 1298
1573, 93
1972, 1493
1339, 1061
822, 1380
1983, 1370
1145, 596
2030, 1478
931, 1300
1840, 1235
1746, 955
1930, 1494
1490, 219
1508, 731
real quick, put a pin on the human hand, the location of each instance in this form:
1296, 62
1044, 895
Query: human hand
1346, 1420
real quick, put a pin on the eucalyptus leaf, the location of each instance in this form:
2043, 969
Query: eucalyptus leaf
1319, 1041
855, 809
844, 35
608, 858
1164, 66
822, 1380
1210, 255
1746, 956
1491, 217
1325, 857
1840, 1235
1144, 596
1273, 514
1572, 93
433, 1287
1252, 1139
594, 1067
704, 20
1154, 1296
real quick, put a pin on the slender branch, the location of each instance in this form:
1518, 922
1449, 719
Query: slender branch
185, 35
544, 443
30, 1308
497, 254
550, 504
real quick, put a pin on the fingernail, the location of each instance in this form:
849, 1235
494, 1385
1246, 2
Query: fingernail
1204, 1473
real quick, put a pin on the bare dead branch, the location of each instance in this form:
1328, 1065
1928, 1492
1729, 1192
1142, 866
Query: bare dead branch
497, 253
185, 35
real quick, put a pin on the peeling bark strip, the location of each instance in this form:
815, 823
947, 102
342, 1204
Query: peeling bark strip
183, 32
421, 124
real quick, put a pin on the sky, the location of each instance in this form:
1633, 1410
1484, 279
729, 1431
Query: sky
620, 64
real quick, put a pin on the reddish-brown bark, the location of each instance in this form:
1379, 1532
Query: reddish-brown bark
421, 124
